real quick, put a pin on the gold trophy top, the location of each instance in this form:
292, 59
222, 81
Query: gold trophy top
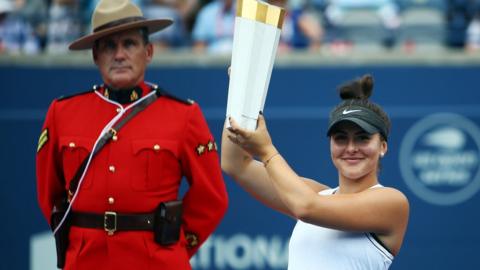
261, 12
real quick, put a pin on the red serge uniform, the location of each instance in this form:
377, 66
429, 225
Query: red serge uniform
139, 168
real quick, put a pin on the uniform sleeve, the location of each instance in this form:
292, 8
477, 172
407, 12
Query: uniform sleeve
205, 202
50, 184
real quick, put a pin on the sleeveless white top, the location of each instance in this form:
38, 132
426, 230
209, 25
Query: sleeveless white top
314, 247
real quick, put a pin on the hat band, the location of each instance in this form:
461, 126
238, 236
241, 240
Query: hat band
119, 22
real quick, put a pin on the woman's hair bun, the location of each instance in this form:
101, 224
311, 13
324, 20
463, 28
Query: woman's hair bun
361, 88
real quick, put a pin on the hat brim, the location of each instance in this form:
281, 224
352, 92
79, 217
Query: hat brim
367, 127
87, 41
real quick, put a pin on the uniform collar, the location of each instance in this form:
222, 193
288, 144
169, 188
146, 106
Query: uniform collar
125, 96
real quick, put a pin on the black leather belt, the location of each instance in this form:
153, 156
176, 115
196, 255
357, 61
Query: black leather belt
112, 221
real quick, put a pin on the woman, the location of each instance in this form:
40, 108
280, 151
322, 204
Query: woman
358, 225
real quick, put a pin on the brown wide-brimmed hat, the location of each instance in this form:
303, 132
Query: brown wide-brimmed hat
112, 16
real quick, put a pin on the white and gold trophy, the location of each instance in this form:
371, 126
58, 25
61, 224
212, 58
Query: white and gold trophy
255, 42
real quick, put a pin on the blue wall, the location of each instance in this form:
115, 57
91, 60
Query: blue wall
443, 230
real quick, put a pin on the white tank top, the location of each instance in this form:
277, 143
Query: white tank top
314, 247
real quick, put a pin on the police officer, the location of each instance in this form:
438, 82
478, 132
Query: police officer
117, 190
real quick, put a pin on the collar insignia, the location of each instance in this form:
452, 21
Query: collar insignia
123, 96
133, 95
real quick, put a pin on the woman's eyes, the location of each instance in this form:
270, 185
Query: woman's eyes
361, 138
340, 138
364, 137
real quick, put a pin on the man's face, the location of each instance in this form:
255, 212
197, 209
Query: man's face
122, 58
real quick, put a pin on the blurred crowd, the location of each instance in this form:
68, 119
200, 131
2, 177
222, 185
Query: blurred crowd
48, 26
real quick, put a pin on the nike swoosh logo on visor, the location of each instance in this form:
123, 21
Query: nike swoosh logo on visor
350, 111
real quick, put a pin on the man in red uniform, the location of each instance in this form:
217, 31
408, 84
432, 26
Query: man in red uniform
142, 164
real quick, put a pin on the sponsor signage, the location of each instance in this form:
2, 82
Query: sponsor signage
439, 159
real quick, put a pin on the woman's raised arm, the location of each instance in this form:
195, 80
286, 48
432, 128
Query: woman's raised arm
251, 174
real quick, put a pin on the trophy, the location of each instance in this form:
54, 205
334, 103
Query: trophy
255, 42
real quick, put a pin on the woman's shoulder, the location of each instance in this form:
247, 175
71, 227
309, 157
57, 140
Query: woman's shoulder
389, 195
386, 189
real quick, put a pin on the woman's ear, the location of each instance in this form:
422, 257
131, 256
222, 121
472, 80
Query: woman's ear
384, 149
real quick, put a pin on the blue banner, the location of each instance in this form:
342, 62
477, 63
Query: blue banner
433, 157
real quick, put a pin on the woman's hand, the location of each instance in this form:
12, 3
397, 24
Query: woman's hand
257, 143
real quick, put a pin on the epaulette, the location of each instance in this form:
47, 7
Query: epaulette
163, 93
77, 94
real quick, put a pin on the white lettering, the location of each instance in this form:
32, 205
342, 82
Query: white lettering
219, 258
203, 256
242, 251
445, 177
272, 254
238, 251
429, 159
440, 158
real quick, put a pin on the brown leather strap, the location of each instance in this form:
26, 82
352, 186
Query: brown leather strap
107, 136
112, 221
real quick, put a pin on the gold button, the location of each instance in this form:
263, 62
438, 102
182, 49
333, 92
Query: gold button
71, 145
115, 138
111, 200
111, 168
156, 147
118, 110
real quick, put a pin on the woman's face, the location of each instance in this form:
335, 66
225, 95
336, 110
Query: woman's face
354, 152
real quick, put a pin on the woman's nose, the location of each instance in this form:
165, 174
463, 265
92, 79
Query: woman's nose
351, 146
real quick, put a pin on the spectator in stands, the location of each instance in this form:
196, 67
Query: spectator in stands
387, 10
35, 12
188, 10
473, 32
176, 35
213, 29
16, 34
300, 30
458, 15
63, 25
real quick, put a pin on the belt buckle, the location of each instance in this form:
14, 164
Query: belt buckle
110, 222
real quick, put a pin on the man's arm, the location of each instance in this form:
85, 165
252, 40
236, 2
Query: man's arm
50, 186
206, 201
